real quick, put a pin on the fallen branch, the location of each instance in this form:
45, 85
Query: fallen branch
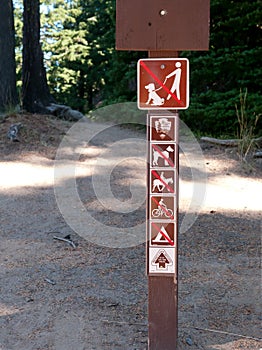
64, 112
230, 143
227, 333
65, 240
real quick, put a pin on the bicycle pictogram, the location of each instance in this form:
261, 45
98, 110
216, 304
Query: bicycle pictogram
168, 213
162, 210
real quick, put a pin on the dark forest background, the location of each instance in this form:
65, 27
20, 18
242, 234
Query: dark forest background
83, 69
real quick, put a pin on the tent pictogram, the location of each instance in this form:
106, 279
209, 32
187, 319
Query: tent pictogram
162, 234
162, 237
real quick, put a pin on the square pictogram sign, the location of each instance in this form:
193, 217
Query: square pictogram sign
163, 83
162, 181
162, 129
163, 155
162, 260
162, 234
162, 208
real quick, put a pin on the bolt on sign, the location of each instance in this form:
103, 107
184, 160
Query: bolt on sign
163, 83
162, 190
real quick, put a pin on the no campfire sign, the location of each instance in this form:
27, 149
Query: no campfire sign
163, 83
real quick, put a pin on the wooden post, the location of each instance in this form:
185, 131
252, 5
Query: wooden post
163, 290
159, 27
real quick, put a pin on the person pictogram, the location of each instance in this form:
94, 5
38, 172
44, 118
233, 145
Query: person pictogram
176, 83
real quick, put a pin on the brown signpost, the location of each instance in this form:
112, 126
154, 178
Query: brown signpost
162, 27
162, 229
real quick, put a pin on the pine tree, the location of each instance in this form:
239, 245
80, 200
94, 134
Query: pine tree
35, 91
8, 93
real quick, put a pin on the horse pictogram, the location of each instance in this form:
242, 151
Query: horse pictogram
165, 155
161, 183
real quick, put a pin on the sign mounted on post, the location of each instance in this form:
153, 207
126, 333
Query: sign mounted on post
162, 192
162, 27
163, 83
153, 25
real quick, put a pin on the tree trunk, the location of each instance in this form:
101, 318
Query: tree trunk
35, 91
8, 92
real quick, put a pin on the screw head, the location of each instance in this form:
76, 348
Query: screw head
163, 12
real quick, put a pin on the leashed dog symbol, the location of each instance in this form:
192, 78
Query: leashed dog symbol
153, 96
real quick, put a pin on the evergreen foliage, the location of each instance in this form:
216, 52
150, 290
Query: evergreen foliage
232, 64
85, 71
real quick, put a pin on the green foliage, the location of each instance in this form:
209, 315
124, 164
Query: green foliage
246, 127
18, 14
66, 50
231, 64
83, 67
10, 110
85, 71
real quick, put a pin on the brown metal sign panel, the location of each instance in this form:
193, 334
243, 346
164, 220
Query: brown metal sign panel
163, 83
152, 25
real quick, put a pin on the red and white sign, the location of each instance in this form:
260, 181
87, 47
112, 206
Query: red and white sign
162, 181
162, 234
163, 83
163, 155
162, 208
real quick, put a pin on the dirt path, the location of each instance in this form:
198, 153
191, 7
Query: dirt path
93, 297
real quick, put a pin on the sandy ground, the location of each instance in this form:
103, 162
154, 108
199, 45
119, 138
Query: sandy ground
94, 296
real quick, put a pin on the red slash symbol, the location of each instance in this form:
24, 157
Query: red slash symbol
163, 154
164, 235
160, 83
160, 183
